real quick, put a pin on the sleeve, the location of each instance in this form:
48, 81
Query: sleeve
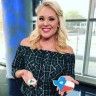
70, 66
18, 62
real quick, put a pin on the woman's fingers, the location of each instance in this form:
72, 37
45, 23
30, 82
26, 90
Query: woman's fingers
71, 79
61, 93
75, 81
30, 75
57, 89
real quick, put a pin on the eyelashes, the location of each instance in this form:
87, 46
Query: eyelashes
41, 18
49, 19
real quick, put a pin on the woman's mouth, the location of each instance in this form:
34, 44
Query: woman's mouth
46, 29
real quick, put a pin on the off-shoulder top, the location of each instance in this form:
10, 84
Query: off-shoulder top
45, 66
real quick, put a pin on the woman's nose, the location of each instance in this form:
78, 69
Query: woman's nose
46, 22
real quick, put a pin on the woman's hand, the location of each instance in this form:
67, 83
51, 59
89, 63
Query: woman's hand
26, 76
69, 78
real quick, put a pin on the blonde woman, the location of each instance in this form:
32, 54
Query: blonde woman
45, 55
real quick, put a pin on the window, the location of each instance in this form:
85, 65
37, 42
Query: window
80, 18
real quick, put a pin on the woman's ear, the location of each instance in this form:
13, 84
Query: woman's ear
58, 24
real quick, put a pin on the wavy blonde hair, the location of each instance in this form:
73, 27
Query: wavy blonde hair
61, 41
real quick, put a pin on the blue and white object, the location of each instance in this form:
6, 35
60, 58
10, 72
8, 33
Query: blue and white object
63, 84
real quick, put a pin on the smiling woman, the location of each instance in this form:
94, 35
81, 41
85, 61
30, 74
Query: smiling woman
45, 55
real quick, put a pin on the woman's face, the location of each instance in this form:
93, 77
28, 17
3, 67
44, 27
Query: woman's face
47, 22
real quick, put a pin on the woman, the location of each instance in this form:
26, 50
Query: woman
45, 55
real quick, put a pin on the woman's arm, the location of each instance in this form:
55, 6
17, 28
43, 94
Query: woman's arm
19, 61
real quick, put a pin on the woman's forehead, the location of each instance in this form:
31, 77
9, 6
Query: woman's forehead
46, 10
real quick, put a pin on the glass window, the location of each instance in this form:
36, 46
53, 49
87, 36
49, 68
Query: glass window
74, 9
81, 22
77, 36
92, 60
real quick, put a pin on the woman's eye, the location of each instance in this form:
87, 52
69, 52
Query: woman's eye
41, 18
51, 19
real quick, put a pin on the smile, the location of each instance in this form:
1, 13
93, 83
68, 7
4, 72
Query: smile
46, 29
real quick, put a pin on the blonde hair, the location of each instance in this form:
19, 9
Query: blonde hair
61, 34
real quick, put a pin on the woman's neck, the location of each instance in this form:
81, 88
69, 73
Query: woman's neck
47, 44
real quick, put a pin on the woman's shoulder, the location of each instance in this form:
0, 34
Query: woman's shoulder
25, 42
68, 49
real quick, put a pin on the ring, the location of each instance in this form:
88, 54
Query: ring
32, 82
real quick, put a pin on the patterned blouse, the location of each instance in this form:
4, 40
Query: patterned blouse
45, 66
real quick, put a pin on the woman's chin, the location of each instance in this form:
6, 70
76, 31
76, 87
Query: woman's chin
46, 36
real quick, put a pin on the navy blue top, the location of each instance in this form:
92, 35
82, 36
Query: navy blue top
45, 66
